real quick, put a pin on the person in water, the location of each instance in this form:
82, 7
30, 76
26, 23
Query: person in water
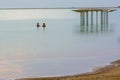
44, 25
38, 25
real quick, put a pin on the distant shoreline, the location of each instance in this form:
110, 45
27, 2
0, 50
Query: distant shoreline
58, 8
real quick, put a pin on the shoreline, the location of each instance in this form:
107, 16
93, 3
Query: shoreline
108, 72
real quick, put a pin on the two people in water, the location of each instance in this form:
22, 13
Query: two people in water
43, 25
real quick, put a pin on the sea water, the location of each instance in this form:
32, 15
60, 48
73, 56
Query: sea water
63, 47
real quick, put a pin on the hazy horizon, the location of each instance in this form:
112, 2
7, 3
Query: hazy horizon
57, 3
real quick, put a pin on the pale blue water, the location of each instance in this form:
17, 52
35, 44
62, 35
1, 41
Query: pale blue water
59, 49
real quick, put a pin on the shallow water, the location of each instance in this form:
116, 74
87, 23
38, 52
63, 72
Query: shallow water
62, 48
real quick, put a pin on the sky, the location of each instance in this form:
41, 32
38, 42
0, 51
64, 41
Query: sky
57, 3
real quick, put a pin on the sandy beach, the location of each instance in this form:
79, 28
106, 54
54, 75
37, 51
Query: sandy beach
108, 72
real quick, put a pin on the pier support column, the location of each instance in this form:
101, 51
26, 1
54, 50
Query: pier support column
91, 17
101, 21
96, 21
83, 18
80, 18
101, 17
107, 17
87, 18
104, 22
97, 17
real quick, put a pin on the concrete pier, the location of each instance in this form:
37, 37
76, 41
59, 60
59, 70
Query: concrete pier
101, 15
94, 20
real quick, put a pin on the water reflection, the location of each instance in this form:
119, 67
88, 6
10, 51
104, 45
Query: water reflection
96, 28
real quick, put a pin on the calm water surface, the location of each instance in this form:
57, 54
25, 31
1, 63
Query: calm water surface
62, 48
